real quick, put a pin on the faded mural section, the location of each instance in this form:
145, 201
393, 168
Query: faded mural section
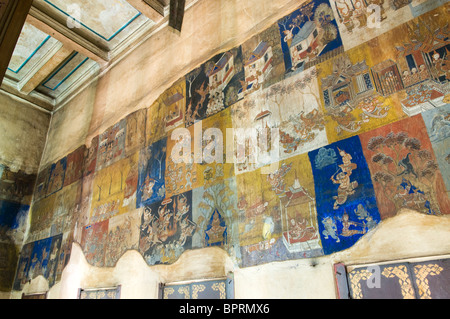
362, 116
22, 130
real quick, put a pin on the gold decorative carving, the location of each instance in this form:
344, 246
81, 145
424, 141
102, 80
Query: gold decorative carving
196, 289
184, 290
220, 286
422, 272
401, 272
355, 281
167, 292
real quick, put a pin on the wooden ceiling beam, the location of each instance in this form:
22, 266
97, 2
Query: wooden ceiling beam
67, 37
152, 9
13, 14
176, 16
42, 72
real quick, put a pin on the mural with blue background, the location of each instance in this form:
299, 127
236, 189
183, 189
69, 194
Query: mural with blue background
346, 203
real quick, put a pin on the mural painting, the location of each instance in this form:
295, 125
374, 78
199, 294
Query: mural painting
16, 186
293, 107
39, 259
90, 157
123, 235
214, 166
383, 104
13, 222
53, 259
167, 112
94, 241
114, 189
278, 219
404, 169
214, 85
63, 256
66, 208
437, 122
411, 63
41, 183
174, 101
21, 277
181, 176
152, 167
309, 35
8, 263
75, 164
41, 213
167, 229
13, 226
350, 102
57, 175
81, 219
346, 204
263, 61
135, 138
216, 217
111, 145
363, 20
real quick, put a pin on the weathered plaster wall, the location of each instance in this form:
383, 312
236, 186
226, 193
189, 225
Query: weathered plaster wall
23, 130
70, 126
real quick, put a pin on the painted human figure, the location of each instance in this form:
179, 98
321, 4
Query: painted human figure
330, 229
345, 12
300, 230
347, 223
346, 187
147, 188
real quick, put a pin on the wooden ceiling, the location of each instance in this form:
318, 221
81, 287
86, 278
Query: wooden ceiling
63, 44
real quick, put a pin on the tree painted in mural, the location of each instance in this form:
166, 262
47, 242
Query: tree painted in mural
219, 212
406, 172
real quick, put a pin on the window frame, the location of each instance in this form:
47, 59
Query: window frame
37, 294
341, 271
118, 288
229, 285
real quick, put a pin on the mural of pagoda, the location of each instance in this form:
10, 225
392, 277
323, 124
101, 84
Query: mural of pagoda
298, 212
216, 231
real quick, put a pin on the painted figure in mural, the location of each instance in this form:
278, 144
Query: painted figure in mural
57, 174
365, 217
215, 232
330, 229
299, 230
412, 182
147, 188
300, 129
268, 228
408, 168
276, 179
342, 177
166, 229
347, 223
440, 127
355, 13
